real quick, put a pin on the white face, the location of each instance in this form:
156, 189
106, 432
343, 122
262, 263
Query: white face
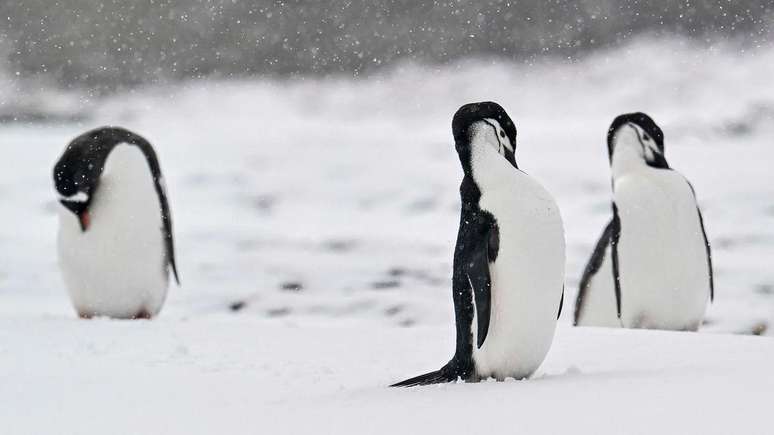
80, 197
637, 140
490, 131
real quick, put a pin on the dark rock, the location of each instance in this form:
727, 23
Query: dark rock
759, 328
292, 286
278, 312
339, 245
406, 323
393, 310
381, 285
237, 306
397, 271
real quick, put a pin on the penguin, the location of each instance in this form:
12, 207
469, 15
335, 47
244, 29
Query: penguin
115, 241
652, 266
508, 277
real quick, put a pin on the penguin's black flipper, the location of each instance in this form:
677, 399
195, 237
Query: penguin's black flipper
595, 262
444, 375
161, 191
707, 244
561, 304
709, 257
480, 280
615, 237
169, 243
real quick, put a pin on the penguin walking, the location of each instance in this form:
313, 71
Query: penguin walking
115, 240
652, 266
508, 280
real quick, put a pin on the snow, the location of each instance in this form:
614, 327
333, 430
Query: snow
326, 210
245, 375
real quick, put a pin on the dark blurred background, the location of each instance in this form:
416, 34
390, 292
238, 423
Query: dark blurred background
111, 44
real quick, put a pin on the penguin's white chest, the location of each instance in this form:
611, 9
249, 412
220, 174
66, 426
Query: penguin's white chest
527, 276
662, 254
117, 268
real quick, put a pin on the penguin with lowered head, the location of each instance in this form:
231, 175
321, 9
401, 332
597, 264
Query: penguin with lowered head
115, 241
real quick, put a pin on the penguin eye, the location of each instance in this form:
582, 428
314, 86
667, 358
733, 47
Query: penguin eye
502, 134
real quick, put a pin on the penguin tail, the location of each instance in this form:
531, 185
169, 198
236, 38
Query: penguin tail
444, 375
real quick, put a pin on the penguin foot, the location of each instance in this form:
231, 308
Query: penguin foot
143, 314
445, 374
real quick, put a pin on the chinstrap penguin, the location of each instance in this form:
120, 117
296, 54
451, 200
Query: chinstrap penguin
652, 266
115, 241
508, 279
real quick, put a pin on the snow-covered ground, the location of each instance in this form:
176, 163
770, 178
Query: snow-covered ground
247, 375
326, 210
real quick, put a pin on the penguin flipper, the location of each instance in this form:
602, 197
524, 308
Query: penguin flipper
615, 237
561, 304
593, 266
707, 244
169, 243
161, 191
444, 375
480, 279
709, 256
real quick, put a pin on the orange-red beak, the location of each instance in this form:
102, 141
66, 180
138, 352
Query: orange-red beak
85, 219
81, 210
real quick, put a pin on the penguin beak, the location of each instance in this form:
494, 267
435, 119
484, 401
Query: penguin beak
85, 219
79, 209
503, 146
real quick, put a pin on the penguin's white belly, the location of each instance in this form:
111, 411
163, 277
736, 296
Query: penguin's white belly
662, 254
117, 268
527, 277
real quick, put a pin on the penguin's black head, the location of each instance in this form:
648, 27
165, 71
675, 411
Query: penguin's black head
642, 129
485, 116
77, 173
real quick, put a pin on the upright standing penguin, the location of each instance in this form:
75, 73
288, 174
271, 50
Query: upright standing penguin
652, 267
508, 281
115, 230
